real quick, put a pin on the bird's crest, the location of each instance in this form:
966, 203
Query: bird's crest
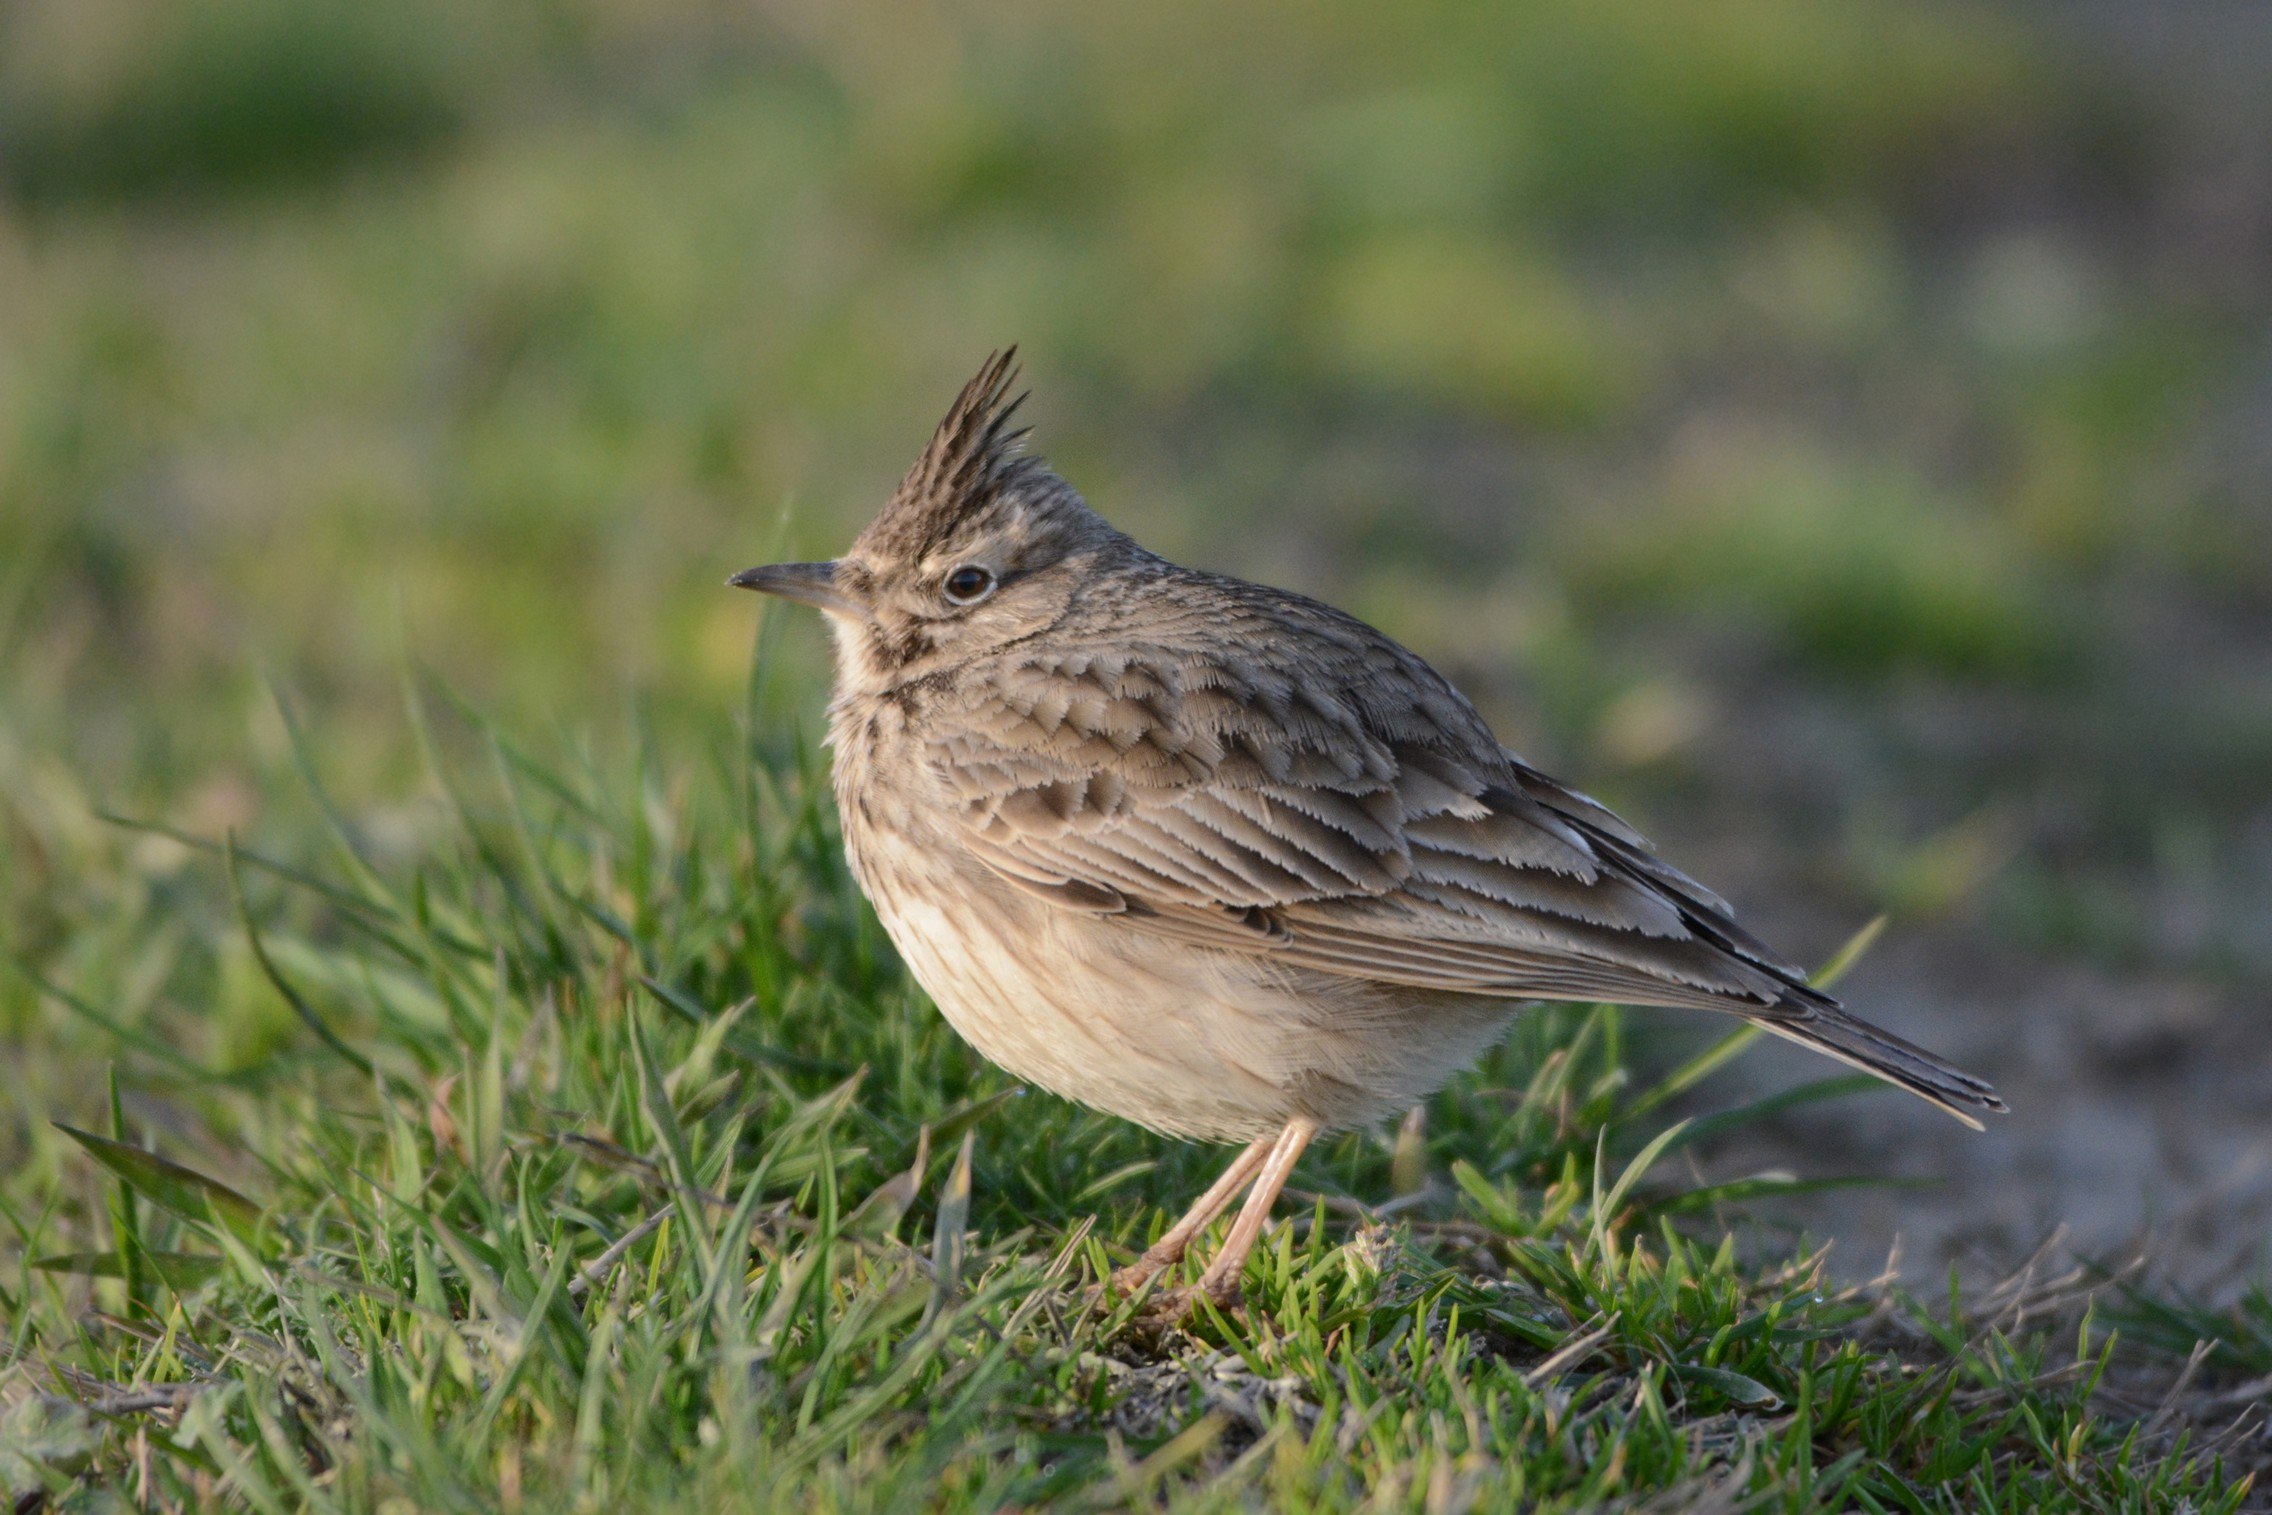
972, 455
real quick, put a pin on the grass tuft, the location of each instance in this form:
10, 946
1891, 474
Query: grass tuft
615, 1164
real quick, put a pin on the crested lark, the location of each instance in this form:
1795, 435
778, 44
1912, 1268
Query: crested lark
1217, 858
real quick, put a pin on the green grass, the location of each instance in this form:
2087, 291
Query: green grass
1859, 578
590, 1151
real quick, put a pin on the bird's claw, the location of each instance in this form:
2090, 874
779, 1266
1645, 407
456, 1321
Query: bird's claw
1174, 1306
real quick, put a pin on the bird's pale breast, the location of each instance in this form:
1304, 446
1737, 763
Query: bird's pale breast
1188, 1041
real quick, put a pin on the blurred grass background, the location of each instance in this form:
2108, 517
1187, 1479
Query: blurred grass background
1834, 431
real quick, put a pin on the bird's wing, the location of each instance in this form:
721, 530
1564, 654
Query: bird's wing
1358, 820
1352, 817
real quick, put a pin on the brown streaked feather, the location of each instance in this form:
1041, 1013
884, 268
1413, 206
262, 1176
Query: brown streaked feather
1814, 1020
1363, 823
971, 456
1306, 806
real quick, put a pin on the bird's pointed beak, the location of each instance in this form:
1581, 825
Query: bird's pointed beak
806, 583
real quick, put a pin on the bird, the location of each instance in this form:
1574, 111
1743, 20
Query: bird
1217, 858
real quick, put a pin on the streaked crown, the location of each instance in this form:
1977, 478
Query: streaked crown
973, 459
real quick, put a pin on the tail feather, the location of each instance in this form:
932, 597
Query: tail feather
1815, 1020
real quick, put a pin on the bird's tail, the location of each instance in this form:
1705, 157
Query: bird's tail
1815, 1020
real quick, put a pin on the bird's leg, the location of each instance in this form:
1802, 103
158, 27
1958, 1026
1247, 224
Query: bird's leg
1168, 1250
1221, 1280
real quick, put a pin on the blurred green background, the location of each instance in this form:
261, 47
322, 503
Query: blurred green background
1837, 433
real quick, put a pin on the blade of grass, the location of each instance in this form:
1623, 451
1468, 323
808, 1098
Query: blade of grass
275, 976
181, 1191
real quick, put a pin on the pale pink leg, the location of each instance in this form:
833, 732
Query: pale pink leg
1168, 1250
1221, 1280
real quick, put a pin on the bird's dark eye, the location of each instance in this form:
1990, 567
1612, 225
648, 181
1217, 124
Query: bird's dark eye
969, 584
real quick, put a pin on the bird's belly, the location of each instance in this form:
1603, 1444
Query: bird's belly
1185, 1040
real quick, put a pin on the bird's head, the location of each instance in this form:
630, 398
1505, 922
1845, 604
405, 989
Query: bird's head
979, 545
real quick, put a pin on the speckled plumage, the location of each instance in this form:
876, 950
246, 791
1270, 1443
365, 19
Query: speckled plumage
1215, 857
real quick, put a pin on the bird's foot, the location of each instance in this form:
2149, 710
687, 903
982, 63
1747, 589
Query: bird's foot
1172, 1307
1133, 1278
1146, 1270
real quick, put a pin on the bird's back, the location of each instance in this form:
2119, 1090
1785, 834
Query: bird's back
1200, 762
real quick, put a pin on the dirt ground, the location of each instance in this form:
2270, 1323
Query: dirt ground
2141, 1120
